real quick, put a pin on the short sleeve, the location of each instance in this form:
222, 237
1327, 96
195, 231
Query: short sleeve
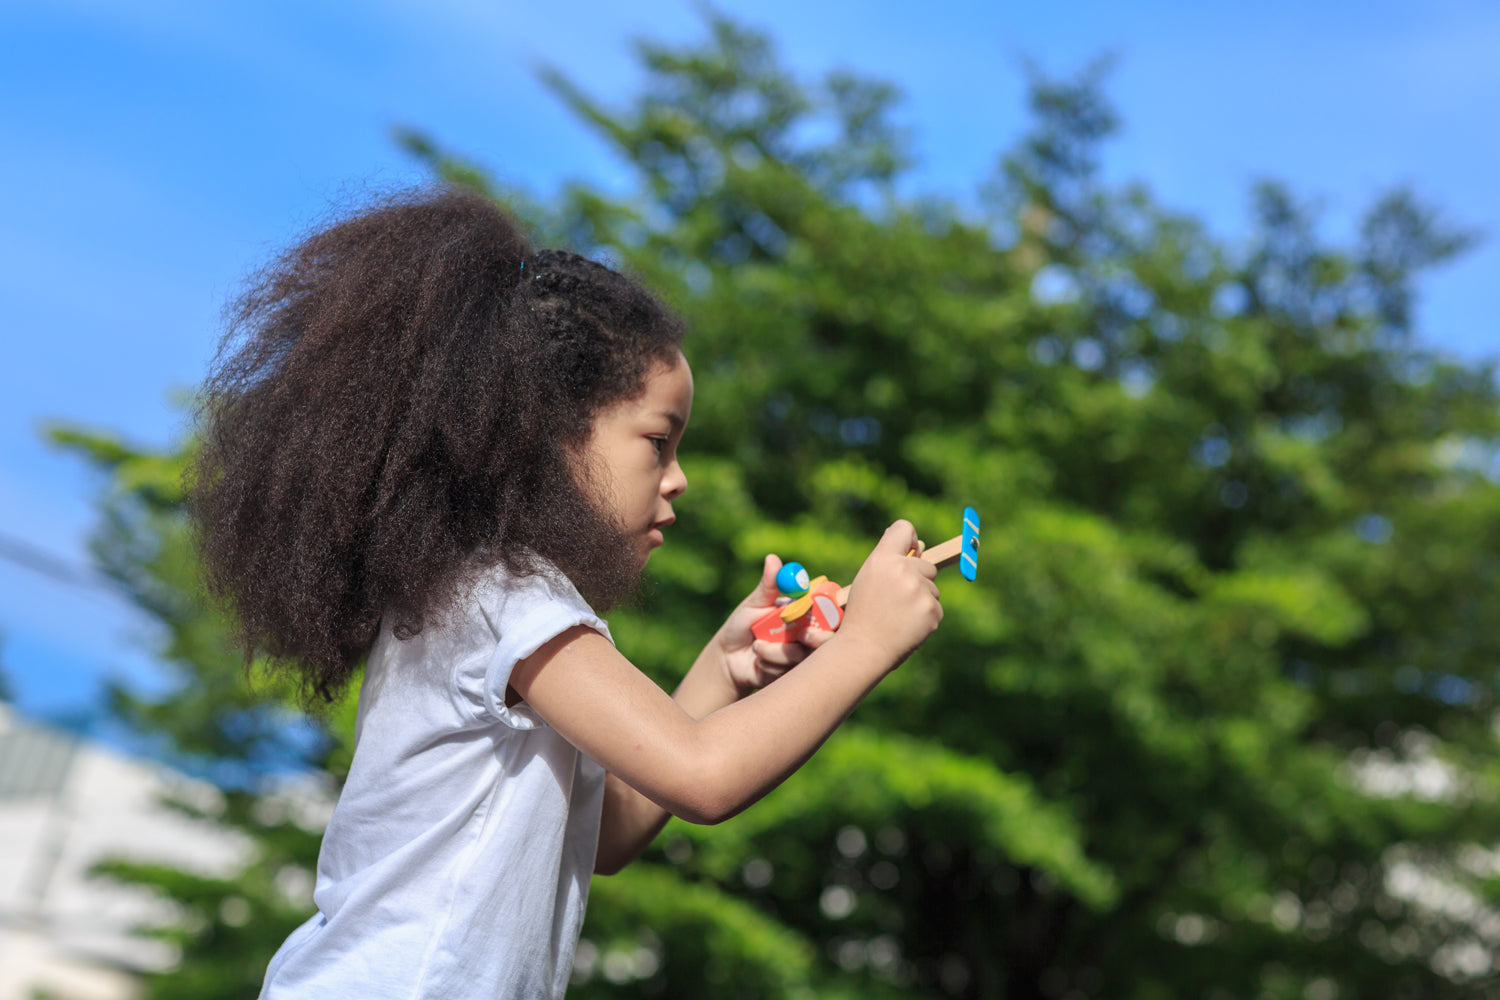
523, 614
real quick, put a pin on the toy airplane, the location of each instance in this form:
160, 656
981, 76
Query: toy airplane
819, 602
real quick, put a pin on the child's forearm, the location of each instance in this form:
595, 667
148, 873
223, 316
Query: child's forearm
630, 821
748, 747
706, 687
701, 770
706, 770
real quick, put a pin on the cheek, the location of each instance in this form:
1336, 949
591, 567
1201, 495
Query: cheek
599, 481
646, 489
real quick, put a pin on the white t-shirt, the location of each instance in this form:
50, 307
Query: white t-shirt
458, 858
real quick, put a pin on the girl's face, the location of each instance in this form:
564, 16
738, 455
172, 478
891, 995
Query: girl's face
632, 454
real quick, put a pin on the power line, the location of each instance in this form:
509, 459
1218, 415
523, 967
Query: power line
30, 557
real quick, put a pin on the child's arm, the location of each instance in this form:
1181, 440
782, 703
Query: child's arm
706, 770
730, 666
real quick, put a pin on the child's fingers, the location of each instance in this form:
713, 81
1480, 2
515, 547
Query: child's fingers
765, 593
899, 537
765, 673
771, 660
778, 655
815, 637
790, 653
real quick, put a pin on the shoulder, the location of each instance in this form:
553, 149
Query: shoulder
519, 613
500, 596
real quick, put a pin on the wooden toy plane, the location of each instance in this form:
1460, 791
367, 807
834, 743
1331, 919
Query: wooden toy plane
819, 602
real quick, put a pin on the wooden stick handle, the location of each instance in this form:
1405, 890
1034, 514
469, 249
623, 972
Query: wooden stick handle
945, 554
940, 555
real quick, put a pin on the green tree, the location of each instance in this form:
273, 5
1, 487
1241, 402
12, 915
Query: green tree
1216, 719
218, 723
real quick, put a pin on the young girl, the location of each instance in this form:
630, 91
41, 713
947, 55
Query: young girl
426, 444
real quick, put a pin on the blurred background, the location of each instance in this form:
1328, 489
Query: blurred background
1195, 306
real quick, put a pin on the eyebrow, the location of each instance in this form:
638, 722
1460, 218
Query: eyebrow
673, 417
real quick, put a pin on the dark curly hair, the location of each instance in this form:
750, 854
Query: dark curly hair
398, 403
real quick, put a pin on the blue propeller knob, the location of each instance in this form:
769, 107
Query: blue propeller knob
792, 580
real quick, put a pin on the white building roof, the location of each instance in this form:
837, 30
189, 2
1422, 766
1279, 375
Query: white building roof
66, 804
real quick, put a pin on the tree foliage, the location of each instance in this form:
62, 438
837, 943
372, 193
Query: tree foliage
1216, 720
220, 722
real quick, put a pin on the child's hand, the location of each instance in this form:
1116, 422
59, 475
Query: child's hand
893, 601
749, 663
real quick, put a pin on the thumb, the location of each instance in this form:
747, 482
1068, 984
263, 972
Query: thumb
899, 537
765, 592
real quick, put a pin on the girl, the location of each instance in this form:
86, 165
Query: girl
428, 445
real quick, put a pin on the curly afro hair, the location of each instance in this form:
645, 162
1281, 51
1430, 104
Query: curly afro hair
397, 405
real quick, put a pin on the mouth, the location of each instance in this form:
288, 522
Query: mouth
655, 535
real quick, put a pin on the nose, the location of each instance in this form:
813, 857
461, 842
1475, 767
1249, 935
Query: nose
674, 483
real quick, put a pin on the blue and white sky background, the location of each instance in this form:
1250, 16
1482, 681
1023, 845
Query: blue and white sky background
156, 151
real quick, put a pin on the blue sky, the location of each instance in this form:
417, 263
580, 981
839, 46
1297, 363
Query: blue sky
155, 151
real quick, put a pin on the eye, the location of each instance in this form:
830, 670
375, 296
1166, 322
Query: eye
659, 443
